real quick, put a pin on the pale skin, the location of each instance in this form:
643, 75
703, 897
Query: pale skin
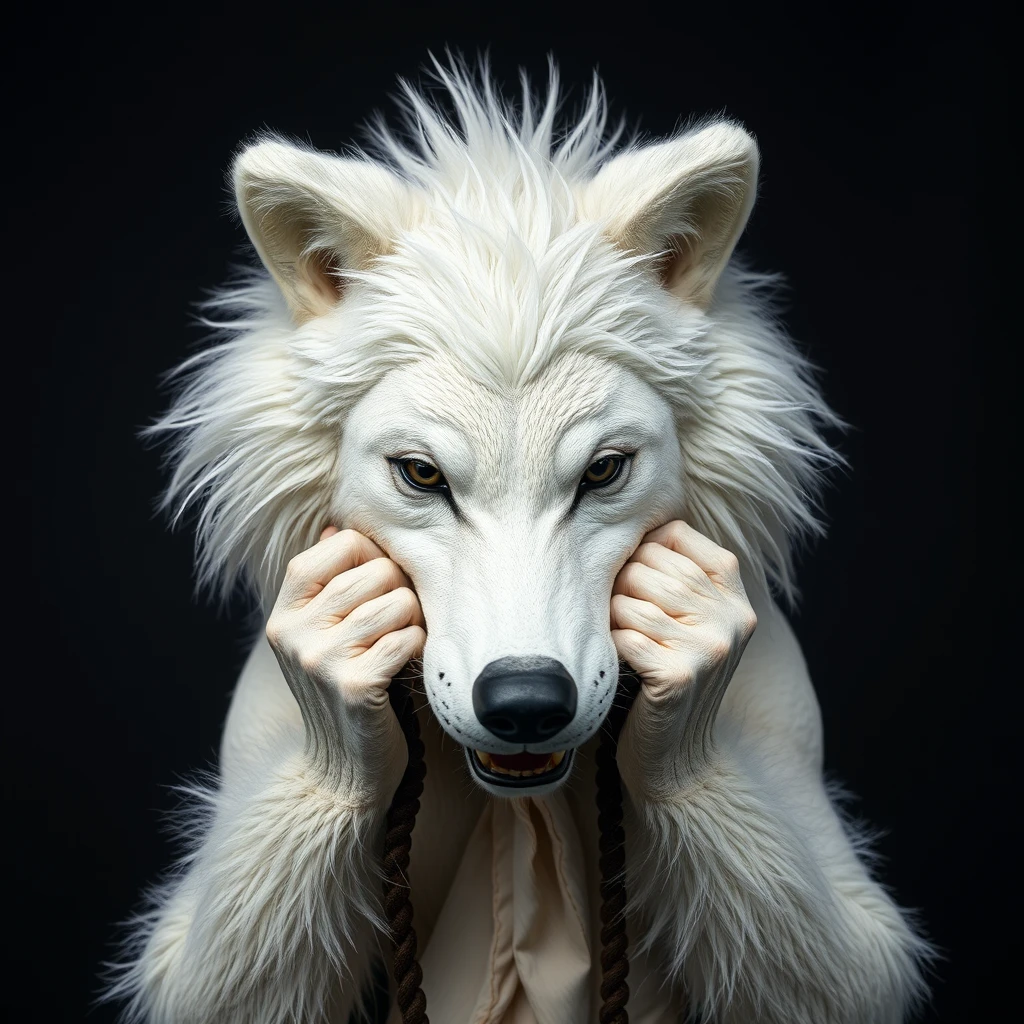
347, 620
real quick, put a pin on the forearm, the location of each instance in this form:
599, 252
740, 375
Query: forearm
270, 918
756, 921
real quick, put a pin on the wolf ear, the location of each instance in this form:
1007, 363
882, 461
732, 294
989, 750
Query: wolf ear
689, 197
312, 216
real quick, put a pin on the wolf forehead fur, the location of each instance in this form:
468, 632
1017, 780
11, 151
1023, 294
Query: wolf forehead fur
487, 244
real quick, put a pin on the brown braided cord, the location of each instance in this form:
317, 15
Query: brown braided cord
612, 846
397, 845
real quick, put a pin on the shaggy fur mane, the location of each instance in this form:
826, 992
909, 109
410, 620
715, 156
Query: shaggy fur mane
496, 238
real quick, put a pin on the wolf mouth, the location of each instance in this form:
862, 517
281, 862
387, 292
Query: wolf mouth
519, 771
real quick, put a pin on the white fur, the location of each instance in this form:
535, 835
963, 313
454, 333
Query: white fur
511, 300
281, 885
771, 914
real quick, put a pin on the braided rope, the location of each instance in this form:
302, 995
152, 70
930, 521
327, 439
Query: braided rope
612, 847
612, 863
397, 845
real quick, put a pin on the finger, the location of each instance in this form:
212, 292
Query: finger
645, 656
392, 651
385, 614
349, 589
328, 531
672, 581
309, 572
669, 561
719, 565
644, 617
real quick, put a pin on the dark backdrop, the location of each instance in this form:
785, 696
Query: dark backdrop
869, 133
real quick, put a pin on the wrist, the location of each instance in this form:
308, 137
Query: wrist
656, 769
359, 757
324, 756
323, 795
674, 782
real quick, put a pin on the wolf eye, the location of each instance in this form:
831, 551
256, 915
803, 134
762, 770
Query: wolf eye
602, 472
421, 475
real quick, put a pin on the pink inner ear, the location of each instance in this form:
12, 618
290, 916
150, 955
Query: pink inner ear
319, 270
674, 267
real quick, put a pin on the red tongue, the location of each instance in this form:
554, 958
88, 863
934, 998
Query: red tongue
523, 762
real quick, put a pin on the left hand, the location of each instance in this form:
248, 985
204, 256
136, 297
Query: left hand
680, 617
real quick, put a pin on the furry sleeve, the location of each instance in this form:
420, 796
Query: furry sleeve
270, 917
750, 885
755, 926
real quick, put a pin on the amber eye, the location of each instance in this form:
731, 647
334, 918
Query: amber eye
603, 471
421, 474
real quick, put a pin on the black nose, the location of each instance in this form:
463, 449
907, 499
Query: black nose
524, 700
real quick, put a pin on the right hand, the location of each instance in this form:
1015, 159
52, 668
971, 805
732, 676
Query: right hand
345, 623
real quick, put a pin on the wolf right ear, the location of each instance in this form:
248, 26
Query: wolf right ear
687, 197
312, 216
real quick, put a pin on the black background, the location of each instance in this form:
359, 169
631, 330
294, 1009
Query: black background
869, 127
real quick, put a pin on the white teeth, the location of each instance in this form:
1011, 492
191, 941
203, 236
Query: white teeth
553, 762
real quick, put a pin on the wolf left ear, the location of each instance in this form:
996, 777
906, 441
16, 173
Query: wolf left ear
689, 197
312, 216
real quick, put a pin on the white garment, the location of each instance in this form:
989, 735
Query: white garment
517, 940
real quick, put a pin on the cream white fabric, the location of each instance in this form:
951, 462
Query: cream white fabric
517, 940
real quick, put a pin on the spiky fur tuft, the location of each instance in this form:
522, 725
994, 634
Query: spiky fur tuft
255, 426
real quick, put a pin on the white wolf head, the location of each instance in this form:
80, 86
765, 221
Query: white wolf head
504, 356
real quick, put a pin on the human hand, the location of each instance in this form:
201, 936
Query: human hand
345, 622
681, 619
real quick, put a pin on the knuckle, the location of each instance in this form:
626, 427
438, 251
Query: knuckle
748, 623
636, 642
719, 649
719, 644
692, 574
294, 568
393, 573
273, 631
729, 562
382, 571
349, 537
676, 529
310, 661
279, 630
628, 578
389, 646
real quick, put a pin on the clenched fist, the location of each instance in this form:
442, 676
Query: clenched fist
345, 623
680, 617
